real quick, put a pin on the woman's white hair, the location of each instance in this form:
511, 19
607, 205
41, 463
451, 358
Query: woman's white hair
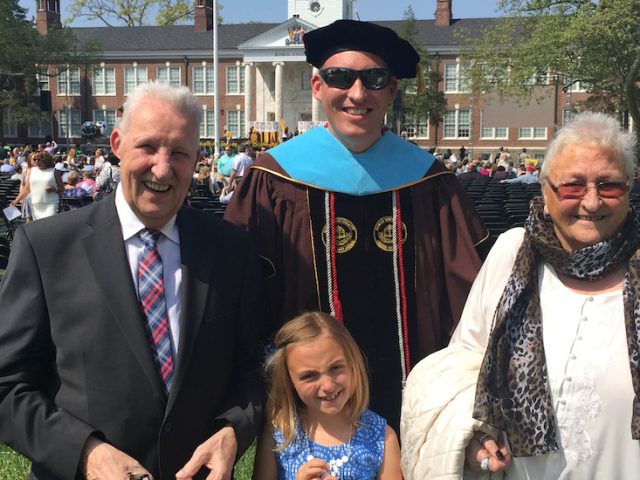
180, 98
592, 128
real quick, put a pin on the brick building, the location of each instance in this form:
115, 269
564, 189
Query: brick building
263, 77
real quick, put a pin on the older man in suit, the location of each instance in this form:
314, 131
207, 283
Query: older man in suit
125, 354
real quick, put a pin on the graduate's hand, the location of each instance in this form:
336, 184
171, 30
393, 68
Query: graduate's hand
313, 469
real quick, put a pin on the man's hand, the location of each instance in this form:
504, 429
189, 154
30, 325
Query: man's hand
217, 454
101, 461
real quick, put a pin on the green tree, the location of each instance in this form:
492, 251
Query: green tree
134, 13
414, 103
589, 41
25, 55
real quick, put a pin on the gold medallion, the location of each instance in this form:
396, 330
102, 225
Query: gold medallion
346, 235
383, 233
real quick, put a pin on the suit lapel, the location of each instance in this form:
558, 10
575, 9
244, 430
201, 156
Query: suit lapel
105, 247
195, 260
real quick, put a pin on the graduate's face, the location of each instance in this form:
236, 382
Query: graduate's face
158, 153
355, 114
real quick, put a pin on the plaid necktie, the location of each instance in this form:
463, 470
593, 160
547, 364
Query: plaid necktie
152, 301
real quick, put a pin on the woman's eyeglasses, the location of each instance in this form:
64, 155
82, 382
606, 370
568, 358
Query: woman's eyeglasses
344, 78
577, 190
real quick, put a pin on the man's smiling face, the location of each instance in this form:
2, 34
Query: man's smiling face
355, 114
158, 152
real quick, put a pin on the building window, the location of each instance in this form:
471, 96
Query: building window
235, 122
412, 85
203, 81
540, 78
42, 83
69, 81
454, 79
39, 128
207, 127
305, 81
579, 87
104, 81
498, 133
9, 123
235, 80
69, 122
532, 133
456, 124
540, 133
170, 75
133, 77
106, 116
416, 127
567, 115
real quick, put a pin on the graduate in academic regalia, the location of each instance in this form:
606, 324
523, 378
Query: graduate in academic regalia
360, 223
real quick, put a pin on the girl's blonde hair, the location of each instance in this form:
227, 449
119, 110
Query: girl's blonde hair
283, 404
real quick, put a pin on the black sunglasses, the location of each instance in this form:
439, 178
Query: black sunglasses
577, 190
343, 78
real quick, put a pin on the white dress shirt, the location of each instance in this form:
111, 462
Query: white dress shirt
169, 249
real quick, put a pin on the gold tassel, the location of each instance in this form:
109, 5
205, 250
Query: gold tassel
421, 87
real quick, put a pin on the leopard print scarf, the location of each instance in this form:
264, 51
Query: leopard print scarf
513, 392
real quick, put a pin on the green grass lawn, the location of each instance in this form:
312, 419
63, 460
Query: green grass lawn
15, 467
12, 465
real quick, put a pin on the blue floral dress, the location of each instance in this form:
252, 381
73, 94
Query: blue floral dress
359, 459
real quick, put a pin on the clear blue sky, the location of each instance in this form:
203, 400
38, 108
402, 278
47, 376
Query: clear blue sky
273, 11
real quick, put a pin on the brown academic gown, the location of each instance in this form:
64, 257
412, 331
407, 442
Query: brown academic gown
442, 236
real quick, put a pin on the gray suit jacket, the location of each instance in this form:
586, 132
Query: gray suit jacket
75, 358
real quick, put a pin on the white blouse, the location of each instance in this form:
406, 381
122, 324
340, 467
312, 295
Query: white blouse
588, 364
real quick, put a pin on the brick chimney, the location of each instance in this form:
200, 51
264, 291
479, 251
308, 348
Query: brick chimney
443, 13
47, 15
203, 19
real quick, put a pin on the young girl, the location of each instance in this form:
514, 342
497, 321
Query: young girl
318, 425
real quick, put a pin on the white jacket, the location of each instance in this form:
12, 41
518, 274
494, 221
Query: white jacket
436, 423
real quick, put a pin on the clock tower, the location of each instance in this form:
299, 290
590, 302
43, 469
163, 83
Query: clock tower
321, 12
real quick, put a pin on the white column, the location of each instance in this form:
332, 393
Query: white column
315, 103
216, 76
279, 67
248, 94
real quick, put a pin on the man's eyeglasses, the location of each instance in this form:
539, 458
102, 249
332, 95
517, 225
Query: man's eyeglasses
577, 190
344, 78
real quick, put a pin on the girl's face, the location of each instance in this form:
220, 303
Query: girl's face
321, 376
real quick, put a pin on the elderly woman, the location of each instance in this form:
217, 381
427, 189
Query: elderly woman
538, 381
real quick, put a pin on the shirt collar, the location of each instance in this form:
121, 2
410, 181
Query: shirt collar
131, 224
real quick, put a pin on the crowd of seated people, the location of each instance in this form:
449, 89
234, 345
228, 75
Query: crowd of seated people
82, 176
63, 179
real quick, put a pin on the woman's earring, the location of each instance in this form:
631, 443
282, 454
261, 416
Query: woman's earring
545, 210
